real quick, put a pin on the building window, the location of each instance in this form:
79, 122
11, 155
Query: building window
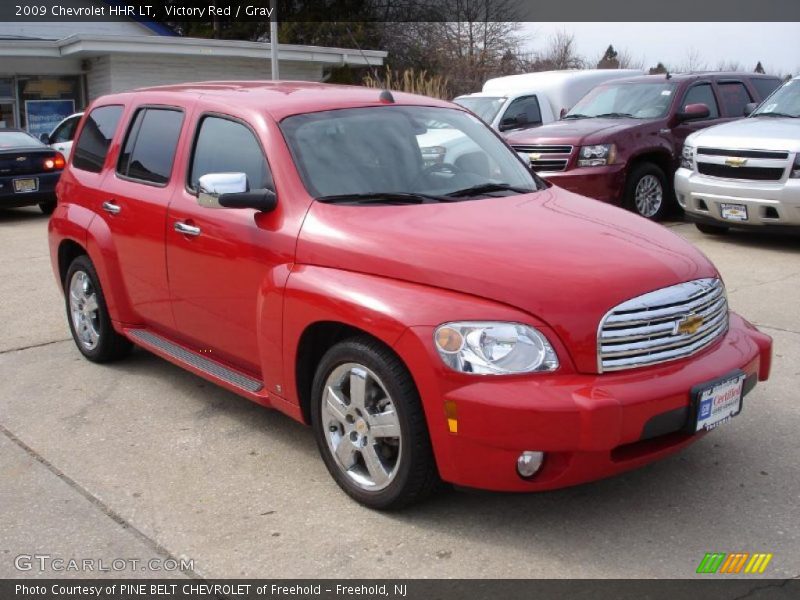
46, 101
6, 103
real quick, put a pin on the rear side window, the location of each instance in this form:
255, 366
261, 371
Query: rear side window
92, 146
702, 94
734, 97
524, 111
765, 86
226, 146
149, 149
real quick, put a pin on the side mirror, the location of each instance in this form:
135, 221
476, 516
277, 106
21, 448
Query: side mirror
749, 108
44, 138
230, 190
525, 158
509, 123
692, 112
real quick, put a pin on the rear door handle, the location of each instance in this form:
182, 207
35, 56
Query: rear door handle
186, 229
112, 208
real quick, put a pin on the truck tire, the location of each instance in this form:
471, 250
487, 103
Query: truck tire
647, 193
370, 427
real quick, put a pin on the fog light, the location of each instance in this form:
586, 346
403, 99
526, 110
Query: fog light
529, 463
682, 200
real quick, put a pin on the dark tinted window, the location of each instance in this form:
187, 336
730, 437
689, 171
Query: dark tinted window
65, 132
525, 111
225, 146
702, 94
734, 97
149, 148
96, 136
765, 86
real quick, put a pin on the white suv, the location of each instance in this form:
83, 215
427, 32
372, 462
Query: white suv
747, 172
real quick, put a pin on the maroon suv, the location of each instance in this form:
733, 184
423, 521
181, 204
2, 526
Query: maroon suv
622, 142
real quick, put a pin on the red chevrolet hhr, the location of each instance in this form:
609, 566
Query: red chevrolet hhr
434, 314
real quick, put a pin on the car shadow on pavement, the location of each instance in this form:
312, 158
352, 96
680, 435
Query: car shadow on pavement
16, 215
780, 242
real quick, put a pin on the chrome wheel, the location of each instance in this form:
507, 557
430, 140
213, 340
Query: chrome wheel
649, 196
84, 310
361, 426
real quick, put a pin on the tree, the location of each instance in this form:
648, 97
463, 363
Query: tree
759, 68
659, 69
609, 60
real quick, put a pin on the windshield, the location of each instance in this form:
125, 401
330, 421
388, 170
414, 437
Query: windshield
401, 150
485, 107
637, 100
17, 139
785, 102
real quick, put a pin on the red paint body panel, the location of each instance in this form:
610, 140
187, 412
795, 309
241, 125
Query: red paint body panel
244, 292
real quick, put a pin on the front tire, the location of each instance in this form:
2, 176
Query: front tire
647, 193
369, 425
711, 229
88, 316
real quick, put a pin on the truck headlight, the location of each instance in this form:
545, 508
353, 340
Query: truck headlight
795, 174
687, 157
494, 348
597, 155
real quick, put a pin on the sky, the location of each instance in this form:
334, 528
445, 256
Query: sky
776, 45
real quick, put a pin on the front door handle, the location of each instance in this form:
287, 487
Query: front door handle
186, 229
112, 208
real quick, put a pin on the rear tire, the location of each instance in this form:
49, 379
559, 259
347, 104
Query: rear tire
370, 427
712, 229
647, 193
87, 314
47, 208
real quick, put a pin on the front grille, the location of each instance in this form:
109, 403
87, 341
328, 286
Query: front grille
743, 153
752, 173
551, 157
645, 330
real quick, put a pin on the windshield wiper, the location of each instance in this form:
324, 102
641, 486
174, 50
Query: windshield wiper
383, 198
615, 115
486, 188
575, 116
774, 114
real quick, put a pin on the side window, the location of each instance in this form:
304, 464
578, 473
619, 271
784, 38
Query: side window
226, 146
524, 111
734, 97
96, 135
149, 149
702, 94
765, 85
65, 132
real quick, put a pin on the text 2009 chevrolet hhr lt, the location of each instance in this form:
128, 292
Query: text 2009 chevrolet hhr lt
433, 319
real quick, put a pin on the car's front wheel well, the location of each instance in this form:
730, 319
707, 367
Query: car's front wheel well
316, 340
68, 251
660, 159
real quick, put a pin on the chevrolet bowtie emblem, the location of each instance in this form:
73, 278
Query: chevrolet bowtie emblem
735, 162
535, 156
21, 158
688, 325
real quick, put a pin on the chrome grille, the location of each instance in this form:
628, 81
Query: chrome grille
547, 157
646, 330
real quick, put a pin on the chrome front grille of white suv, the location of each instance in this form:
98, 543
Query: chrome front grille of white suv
663, 325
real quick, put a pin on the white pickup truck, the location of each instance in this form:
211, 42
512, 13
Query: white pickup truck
745, 173
533, 99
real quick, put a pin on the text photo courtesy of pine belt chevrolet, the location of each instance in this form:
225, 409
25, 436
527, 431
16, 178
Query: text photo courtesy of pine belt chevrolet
622, 142
29, 171
746, 174
468, 323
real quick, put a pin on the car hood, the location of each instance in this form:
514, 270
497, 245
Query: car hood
754, 133
573, 131
558, 256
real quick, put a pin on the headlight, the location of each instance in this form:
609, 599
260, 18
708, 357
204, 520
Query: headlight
796, 167
597, 156
687, 157
494, 348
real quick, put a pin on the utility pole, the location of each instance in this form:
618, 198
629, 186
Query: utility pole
273, 39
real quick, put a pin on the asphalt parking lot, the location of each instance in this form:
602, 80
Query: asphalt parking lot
142, 460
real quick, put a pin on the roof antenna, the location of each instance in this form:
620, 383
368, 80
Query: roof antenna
669, 75
386, 97
371, 68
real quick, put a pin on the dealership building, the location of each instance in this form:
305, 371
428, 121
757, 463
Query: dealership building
50, 70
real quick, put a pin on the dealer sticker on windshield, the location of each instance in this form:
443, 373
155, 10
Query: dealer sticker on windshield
718, 402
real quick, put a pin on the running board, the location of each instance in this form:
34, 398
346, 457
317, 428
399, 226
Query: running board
180, 354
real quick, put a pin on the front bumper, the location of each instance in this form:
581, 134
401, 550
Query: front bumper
590, 426
601, 183
46, 192
768, 203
